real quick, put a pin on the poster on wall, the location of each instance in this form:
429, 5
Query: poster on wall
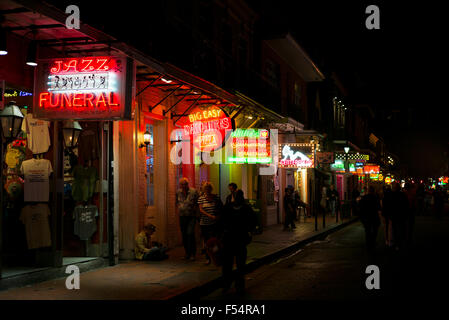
84, 88
296, 155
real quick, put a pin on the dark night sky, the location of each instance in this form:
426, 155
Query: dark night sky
402, 66
399, 67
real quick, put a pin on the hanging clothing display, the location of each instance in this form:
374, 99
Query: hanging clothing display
37, 227
84, 182
37, 134
14, 157
85, 223
88, 146
36, 172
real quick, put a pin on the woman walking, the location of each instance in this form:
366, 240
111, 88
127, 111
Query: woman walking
210, 208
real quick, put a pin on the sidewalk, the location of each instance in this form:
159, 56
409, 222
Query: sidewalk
172, 278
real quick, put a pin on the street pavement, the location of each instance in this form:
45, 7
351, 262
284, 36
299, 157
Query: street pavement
136, 280
334, 269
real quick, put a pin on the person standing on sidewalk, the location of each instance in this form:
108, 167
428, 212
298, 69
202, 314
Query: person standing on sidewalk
289, 208
187, 203
369, 216
233, 189
238, 221
410, 191
210, 209
332, 196
398, 215
387, 208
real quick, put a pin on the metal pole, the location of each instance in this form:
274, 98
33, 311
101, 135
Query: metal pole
1, 207
101, 198
110, 197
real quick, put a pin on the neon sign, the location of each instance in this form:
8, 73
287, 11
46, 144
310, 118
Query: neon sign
371, 169
250, 146
84, 88
207, 127
296, 155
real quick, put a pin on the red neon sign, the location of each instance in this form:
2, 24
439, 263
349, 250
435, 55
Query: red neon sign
83, 88
207, 127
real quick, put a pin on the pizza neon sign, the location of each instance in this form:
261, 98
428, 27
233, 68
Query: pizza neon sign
207, 127
84, 88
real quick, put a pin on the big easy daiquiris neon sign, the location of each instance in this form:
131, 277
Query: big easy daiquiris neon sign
207, 127
84, 88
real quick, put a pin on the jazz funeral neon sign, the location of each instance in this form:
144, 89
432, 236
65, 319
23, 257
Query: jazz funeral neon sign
296, 155
81, 88
207, 127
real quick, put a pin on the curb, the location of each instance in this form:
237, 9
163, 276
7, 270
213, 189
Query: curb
210, 286
51, 273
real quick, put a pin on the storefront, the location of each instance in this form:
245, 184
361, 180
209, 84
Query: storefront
296, 166
59, 172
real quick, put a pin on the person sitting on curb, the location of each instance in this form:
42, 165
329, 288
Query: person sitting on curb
147, 250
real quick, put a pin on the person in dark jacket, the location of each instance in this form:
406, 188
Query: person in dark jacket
387, 214
237, 223
289, 208
369, 216
399, 212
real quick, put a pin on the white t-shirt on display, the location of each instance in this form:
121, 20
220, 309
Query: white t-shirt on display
36, 172
38, 137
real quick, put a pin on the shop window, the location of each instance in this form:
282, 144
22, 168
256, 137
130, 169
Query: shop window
150, 167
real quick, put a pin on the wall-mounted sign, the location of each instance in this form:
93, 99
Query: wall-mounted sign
207, 127
84, 88
250, 146
296, 155
338, 166
356, 156
387, 180
325, 157
16, 93
371, 169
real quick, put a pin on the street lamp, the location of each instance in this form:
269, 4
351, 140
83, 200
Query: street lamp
11, 122
71, 131
146, 139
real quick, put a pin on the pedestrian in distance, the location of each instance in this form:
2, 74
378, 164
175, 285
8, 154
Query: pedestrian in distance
147, 250
399, 211
187, 204
289, 208
210, 206
438, 202
387, 207
410, 191
238, 221
370, 217
333, 198
355, 198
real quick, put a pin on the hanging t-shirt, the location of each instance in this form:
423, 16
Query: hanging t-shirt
37, 134
84, 182
88, 146
36, 172
37, 227
85, 223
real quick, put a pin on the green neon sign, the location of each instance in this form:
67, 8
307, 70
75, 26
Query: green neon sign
249, 160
